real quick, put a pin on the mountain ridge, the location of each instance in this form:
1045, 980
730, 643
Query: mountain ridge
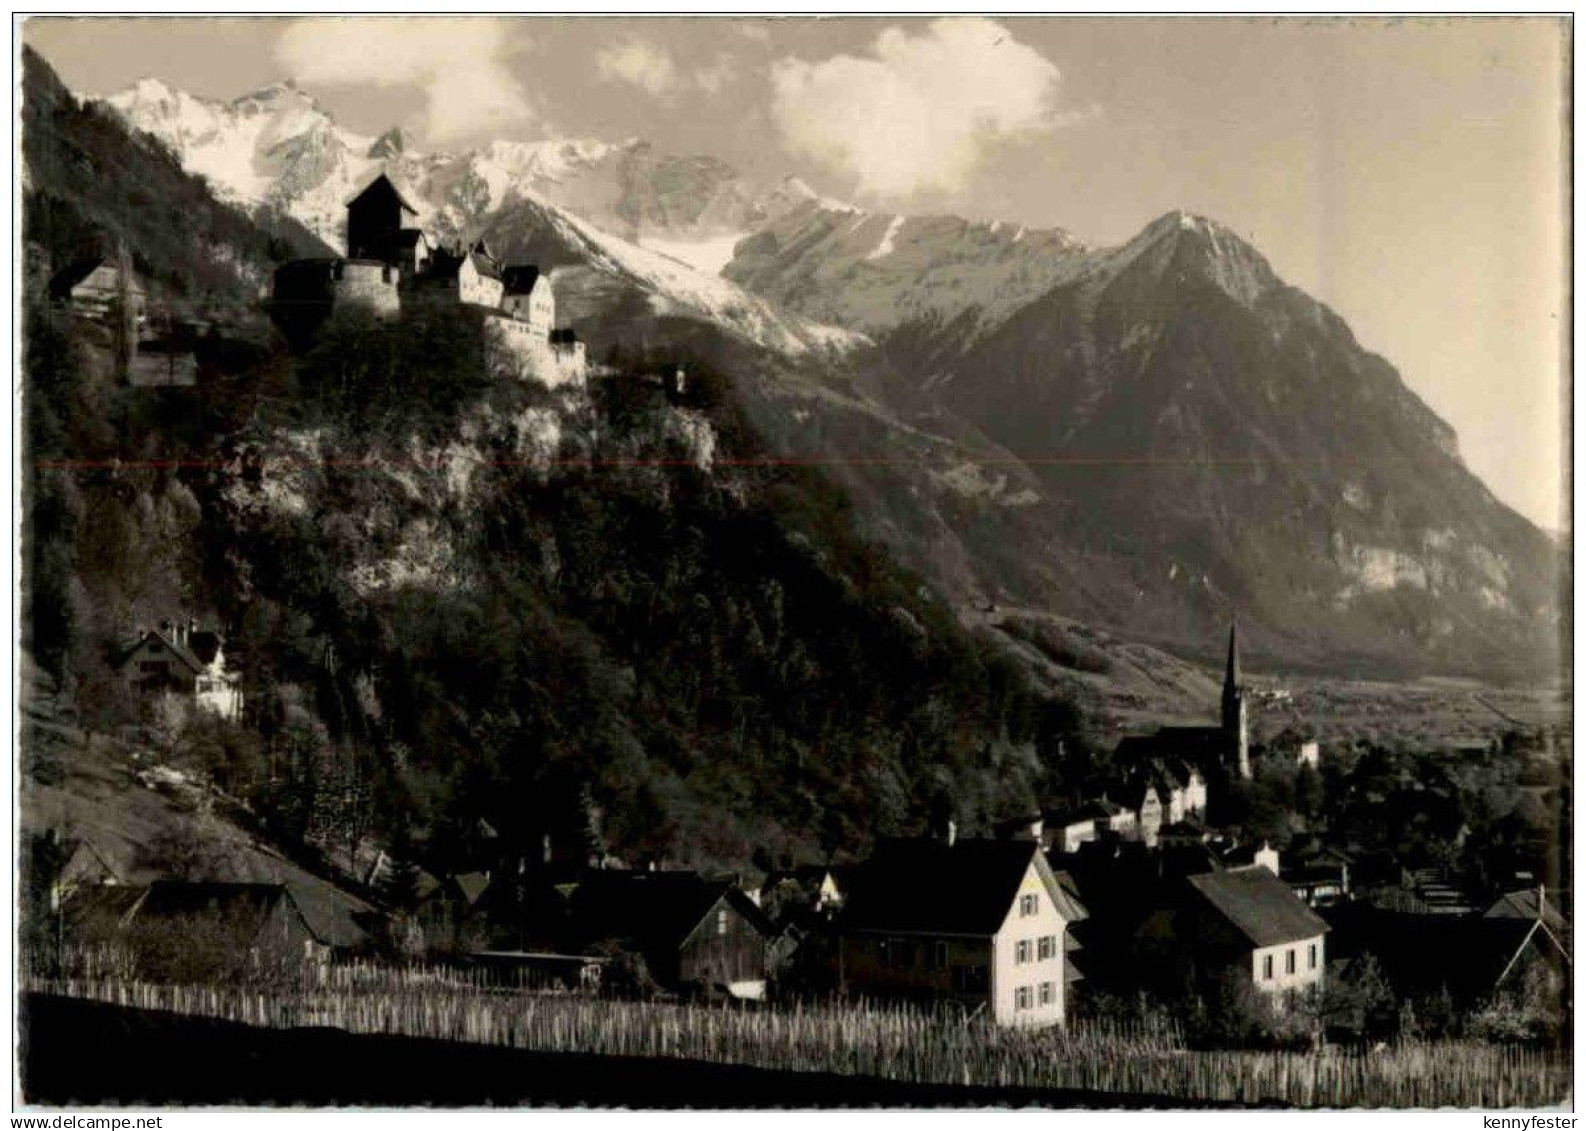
1029, 362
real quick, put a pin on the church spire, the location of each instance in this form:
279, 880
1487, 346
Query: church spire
1236, 721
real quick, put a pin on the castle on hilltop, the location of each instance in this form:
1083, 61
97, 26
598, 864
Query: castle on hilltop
389, 255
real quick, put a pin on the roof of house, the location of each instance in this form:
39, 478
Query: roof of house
180, 651
1258, 905
471, 885
66, 279
1525, 905
485, 264
96, 915
519, 279
1469, 954
242, 909
651, 911
390, 184
930, 887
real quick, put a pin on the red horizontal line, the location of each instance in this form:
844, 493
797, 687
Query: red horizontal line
769, 461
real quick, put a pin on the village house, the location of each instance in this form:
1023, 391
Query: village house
450, 912
184, 661
1250, 855
1470, 957
1064, 830
695, 935
186, 931
54, 866
1243, 923
985, 923
1319, 875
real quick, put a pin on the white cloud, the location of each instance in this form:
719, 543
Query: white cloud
916, 112
458, 62
641, 64
714, 77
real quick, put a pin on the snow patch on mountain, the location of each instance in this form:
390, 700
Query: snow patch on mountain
874, 273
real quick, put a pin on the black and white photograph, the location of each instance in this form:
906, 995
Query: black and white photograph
818, 562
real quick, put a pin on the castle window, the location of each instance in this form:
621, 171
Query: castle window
1266, 968
1313, 956
1289, 961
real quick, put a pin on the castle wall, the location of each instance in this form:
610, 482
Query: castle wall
368, 283
530, 355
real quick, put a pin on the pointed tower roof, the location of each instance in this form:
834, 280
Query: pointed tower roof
1233, 678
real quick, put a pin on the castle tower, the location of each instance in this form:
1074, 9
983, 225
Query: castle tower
1236, 721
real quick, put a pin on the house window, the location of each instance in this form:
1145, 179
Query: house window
1288, 961
1046, 993
721, 922
1021, 998
1021, 952
1266, 968
1029, 905
939, 954
1313, 956
1047, 947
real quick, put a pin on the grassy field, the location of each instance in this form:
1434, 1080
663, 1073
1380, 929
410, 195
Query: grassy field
892, 1044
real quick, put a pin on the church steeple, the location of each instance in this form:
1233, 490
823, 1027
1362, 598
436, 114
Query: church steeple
1235, 719
1232, 680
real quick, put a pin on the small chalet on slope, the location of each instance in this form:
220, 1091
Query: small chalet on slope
982, 922
187, 931
91, 288
183, 660
1246, 923
694, 934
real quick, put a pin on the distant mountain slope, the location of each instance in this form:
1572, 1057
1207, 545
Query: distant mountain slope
598, 273
877, 272
1204, 440
277, 148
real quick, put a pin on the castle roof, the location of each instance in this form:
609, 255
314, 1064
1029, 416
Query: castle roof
390, 186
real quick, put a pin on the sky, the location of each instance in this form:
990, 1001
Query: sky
1410, 173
